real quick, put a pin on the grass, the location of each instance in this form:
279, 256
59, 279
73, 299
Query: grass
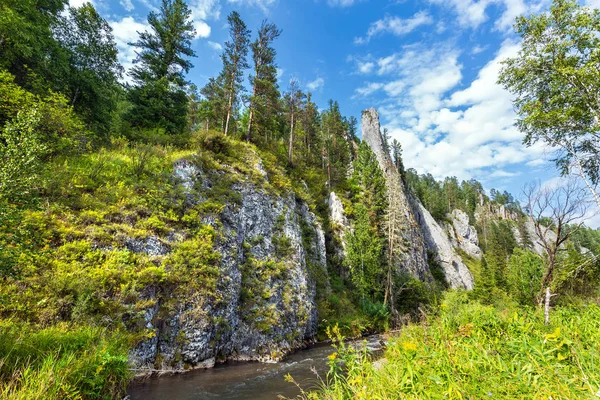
473, 351
62, 362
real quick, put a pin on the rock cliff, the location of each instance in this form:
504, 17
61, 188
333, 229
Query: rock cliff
404, 231
442, 250
271, 249
418, 232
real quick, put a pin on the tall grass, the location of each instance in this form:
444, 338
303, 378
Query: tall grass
472, 351
61, 362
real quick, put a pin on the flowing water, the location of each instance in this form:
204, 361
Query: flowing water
243, 380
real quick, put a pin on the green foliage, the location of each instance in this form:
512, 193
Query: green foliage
91, 69
158, 98
365, 256
58, 127
474, 351
441, 198
577, 277
524, 276
26, 38
265, 94
21, 152
554, 80
230, 80
365, 243
498, 244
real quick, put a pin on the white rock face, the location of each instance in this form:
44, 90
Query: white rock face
336, 211
197, 329
457, 274
339, 220
464, 235
534, 237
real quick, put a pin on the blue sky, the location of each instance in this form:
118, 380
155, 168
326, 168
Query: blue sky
428, 66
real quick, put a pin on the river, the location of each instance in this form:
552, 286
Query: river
243, 380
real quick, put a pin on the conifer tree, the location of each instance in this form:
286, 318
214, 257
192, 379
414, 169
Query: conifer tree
293, 99
234, 64
310, 123
264, 81
158, 97
213, 109
397, 157
365, 244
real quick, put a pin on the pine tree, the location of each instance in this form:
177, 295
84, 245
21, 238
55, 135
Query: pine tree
264, 82
213, 109
365, 244
158, 97
310, 123
234, 64
397, 157
293, 99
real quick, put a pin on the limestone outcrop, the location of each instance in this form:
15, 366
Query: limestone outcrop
463, 235
404, 231
271, 248
442, 250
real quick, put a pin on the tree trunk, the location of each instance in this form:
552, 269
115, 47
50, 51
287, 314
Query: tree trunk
290, 150
547, 306
228, 116
230, 102
250, 117
75, 97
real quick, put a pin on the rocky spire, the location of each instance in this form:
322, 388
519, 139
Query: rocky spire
407, 250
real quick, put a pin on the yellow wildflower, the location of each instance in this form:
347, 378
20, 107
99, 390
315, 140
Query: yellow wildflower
409, 346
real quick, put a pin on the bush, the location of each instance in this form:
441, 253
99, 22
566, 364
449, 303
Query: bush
21, 150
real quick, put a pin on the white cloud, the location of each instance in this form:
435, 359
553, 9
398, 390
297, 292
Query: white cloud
204, 9
342, 3
445, 128
499, 173
536, 163
316, 84
215, 46
473, 13
202, 29
126, 31
478, 49
396, 26
365, 67
370, 88
470, 13
127, 5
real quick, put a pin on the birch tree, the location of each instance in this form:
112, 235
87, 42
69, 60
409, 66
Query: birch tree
555, 79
